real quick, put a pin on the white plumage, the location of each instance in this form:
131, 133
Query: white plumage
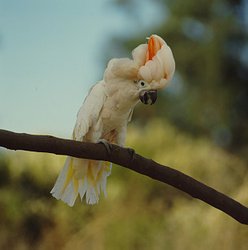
106, 112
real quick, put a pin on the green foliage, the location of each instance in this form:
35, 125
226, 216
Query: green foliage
139, 213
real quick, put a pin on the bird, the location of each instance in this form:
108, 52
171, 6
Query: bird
106, 112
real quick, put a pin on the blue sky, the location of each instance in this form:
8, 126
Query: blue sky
51, 52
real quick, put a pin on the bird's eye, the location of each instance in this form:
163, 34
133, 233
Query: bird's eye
142, 83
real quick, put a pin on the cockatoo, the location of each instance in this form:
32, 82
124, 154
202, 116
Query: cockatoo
106, 112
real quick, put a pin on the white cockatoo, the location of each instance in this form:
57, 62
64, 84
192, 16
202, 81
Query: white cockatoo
106, 112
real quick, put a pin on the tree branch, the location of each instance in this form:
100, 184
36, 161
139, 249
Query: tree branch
129, 159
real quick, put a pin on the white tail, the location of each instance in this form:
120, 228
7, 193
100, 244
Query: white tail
83, 177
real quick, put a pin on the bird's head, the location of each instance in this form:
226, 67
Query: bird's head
156, 67
151, 69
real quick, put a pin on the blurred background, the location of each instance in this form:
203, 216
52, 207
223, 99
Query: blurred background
51, 52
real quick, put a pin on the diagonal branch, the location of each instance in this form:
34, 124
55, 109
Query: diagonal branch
129, 159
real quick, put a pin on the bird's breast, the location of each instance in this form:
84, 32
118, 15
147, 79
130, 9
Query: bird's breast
116, 110
113, 117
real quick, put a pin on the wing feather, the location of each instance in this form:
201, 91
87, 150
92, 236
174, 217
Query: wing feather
89, 111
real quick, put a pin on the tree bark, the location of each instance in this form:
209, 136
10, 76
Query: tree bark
127, 158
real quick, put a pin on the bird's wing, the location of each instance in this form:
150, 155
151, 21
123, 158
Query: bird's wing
89, 111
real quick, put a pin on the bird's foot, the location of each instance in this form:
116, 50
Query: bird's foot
131, 152
107, 145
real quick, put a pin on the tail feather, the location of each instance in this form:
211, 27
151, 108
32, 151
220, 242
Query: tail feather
81, 177
82, 188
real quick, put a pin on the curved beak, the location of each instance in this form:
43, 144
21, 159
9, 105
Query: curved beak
148, 97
